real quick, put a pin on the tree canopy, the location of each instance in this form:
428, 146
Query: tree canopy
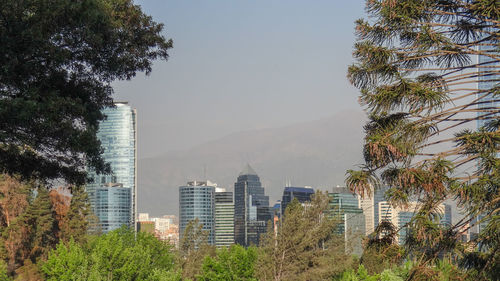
306, 245
57, 60
428, 72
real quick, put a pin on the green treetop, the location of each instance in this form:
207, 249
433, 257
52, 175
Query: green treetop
57, 64
417, 72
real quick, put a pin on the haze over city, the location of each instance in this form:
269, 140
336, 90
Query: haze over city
278, 65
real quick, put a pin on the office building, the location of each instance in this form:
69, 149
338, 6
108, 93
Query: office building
446, 220
367, 204
276, 209
224, 218
344, 207
251, 208
488, 78
401, 217
302, 194
197, 201
113, 197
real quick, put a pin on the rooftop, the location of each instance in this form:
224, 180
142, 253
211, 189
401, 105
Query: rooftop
248, 170
299, 189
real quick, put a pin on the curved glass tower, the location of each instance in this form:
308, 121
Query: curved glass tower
113, 197
197, 201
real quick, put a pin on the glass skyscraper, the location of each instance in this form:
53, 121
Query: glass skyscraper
488, 78
113, 196
344, 206
251, 208
302, 194
197, 201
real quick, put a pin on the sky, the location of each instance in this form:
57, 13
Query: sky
242, 65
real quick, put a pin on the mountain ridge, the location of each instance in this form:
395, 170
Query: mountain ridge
315, 153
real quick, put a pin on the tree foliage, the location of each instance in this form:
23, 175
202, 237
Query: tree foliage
234, 263
118, 255
417, 72
193, 248
57, 64
305, 247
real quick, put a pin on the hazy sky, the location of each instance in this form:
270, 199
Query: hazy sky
240, 65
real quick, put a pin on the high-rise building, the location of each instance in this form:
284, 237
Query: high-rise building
251, 208
401, 217
344, 206
302, 194
446, 220
378, 196
224, 218
113, 197
367, 204
488, 78
197, 201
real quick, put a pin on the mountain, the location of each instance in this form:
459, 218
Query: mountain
315, 153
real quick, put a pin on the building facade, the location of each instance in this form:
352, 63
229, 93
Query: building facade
367, 204
344, 207
197, 201
251, 208
224, 218
302, 194
113, 197
401, 217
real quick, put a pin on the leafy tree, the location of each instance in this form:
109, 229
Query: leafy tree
78, 217
60, 204
3, 271
67, 262
305, 247
40, 219
193, 248
234, 263
381, 250
16, 242
14, 197
58, 61
117, 255
417, 73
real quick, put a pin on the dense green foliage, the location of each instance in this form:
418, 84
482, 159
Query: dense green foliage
118, 255
235, 263
58, 60
417, 72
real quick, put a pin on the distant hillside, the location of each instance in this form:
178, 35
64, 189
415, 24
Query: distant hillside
315, 153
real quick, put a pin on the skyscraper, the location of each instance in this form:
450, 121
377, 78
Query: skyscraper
400, 217
344, 206
302, 194
113, 197
251, 208
488, 78
224, 218
197, 201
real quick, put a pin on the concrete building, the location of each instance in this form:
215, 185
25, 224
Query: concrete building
224, 218
197, 201
114, 197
